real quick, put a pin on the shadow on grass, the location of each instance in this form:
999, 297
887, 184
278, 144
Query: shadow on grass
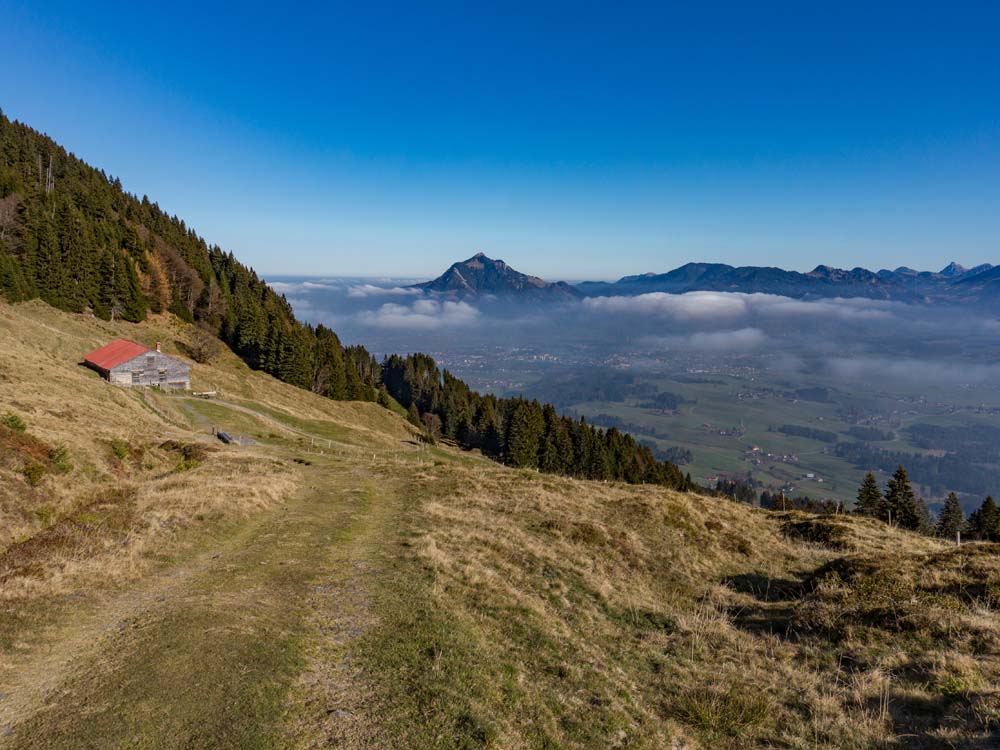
915, 720
775, 603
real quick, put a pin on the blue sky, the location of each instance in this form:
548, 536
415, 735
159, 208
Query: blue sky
575, 141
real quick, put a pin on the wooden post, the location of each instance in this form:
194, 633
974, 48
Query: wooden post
958, 538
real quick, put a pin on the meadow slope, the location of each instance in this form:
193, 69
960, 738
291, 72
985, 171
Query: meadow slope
338, 583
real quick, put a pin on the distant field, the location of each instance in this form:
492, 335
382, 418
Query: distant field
721, 421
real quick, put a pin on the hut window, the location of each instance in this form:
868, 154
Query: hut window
136, 378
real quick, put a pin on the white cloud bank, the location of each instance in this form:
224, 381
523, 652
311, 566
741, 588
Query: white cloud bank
688, 306
716, 306
287, 287
370, 290
424, 314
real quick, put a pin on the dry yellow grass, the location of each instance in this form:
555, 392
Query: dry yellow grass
603, 615
501, 608
94, 521
139, 504
102, 518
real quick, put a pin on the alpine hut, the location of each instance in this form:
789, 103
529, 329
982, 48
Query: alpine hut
127, 363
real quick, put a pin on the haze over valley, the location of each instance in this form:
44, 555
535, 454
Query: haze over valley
800, 393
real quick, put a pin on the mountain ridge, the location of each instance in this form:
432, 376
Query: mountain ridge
954, 283
482, 277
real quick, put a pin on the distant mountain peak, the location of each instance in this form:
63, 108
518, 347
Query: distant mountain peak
483, 277
953, 269
954, 283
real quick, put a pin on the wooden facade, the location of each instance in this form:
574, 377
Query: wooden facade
129, 364
152, 368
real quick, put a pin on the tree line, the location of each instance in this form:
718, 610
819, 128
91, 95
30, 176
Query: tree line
519, 432
900, 506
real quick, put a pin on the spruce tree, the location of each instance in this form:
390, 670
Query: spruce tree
984, 523
870, 501
413, 416
952, 519
523, 439
901, 503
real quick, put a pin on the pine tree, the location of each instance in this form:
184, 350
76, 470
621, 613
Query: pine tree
413, 416
901, 503
925, 520
952, 519
523, 437
870, 501
984, 523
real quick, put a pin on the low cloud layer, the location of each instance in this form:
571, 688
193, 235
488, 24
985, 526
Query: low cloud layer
690, 306
723, 306
424, 314
887, 370
738, 340
360, 291
743, 339
854, 339
292, 287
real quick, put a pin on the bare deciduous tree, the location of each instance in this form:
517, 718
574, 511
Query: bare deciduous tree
204, 347
8, 217
432, 426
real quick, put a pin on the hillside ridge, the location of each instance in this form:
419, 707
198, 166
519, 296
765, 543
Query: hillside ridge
82, 244
363, 590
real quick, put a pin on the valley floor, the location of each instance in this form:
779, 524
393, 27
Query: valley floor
334, 583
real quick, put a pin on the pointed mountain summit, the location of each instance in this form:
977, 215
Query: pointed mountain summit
481, 277
953, 269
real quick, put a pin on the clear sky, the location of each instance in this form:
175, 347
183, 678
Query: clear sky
577, 140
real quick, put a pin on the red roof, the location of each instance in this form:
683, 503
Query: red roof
113, 354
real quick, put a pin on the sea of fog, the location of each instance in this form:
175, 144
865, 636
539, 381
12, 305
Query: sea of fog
855, 339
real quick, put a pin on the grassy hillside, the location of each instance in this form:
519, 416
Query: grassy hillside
336, 583
72, 237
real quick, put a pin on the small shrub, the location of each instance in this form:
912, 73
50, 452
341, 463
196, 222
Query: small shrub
734, 711
89, 518
953, 686
986, 709
13, 422
59, 456
119, 448
192, 454
34, 473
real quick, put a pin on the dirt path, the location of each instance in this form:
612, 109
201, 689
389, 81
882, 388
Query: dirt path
276, 423
244, 646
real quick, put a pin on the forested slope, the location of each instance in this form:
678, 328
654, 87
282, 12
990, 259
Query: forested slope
72, 236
